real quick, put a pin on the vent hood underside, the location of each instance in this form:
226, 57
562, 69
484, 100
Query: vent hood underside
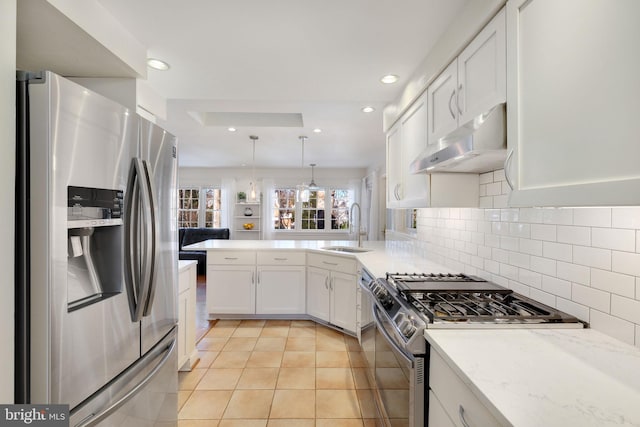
480, 145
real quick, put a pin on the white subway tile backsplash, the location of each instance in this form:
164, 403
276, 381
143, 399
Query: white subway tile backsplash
573, 308
543, 297
500, 255
592, 257
573, 273
505, 188
543, 265
592, 217
509, 271
614, 283
625, 308
500, 201
486, 178
625, 217
520, 230
519, 260
499, 176
509, 243
544, 232
613, 238
509, 215
494, 189
591, 297
530, 278
559, 251
531, 247
574, 235
531, 215
584, 261
613, 326
626, 262
555, 286
557, 216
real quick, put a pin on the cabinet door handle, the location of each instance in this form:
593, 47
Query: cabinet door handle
258, 278
507, 165
230, 258
253, 278
458, 99
331, 283
326, 280
453, 114
462, 418
329, 263
280, 259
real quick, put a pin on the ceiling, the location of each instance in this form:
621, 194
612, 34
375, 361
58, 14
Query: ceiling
322, 60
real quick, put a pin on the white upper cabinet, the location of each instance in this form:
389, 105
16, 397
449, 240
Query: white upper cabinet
405, 141
443, 111
472, 84
482, 71
573, 102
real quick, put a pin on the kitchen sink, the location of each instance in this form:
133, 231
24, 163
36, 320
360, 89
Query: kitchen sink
348, 249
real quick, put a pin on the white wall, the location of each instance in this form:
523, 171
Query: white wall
584, 261
7, 173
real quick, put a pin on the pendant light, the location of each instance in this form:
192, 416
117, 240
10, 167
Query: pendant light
253, 196
302, 190
312, 184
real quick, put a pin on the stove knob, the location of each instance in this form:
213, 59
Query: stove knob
407, 327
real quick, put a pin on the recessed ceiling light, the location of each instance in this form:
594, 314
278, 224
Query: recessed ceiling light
232, 129
317, 130
157, 64
368, 109
389, 78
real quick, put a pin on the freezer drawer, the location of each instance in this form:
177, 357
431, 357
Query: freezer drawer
145, 395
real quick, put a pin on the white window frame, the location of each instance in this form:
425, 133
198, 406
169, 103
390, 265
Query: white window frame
202, 205
327, 211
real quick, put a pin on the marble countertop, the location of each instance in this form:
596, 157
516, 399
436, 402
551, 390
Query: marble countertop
383, 256
546, 377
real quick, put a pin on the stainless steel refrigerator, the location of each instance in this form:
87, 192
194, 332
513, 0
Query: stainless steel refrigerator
96, 279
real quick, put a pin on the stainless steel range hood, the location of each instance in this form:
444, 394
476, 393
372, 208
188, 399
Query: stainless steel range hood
480, 145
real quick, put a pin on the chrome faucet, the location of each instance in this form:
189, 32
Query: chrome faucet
359, 232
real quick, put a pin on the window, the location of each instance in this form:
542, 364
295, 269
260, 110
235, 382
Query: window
284, 209
323, 204
199, 207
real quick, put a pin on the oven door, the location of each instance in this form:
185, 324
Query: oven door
399, 376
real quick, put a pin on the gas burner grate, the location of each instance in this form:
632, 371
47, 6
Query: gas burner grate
432, 277
494, 306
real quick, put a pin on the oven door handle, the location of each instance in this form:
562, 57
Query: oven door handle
389, 338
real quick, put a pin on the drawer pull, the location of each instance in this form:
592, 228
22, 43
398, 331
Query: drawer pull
280, 259
230, 258
462, 418
329, 263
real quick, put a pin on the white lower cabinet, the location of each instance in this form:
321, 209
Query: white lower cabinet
231, 289
457, 400
332, 290
280, 290
318, 293
187, 282
437, 415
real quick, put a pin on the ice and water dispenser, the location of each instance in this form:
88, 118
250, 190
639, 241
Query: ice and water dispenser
95, 253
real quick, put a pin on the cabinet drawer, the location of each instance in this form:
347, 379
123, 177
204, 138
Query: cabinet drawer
231, 257
281, 258
333, 263
456, 398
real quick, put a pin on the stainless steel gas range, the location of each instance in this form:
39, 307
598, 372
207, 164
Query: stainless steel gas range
404, 305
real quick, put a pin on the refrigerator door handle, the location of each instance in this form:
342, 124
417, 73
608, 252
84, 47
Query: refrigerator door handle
136, 276
94, 419
152, 228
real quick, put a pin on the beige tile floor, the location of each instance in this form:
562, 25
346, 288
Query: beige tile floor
276, 373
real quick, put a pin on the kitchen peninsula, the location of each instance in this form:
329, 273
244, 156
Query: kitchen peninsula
521, 377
